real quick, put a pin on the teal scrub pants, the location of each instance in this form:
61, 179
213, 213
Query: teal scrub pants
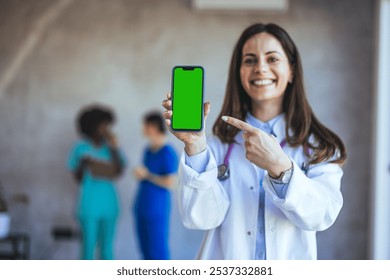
97, 231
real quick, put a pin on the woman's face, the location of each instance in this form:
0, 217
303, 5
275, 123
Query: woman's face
150, 131
104, 130
265, 70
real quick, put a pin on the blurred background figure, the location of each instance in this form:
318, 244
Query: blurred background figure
156, 177
95, 161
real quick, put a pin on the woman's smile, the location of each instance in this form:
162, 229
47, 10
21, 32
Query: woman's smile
261, 83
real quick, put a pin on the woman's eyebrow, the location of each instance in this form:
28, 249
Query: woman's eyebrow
249, 54
269, 52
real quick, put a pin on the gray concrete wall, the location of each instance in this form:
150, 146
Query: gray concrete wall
56, 57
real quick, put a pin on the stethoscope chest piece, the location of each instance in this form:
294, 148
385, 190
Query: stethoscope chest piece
223, 169
223, 172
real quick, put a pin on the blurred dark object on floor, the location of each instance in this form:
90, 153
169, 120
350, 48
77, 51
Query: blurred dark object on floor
64, 233
18, 247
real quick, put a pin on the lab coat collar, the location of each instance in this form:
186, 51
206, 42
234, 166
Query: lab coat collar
279, 127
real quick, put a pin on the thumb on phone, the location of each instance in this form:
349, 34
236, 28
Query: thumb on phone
206, 109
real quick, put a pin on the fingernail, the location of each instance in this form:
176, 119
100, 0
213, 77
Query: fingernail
224, 118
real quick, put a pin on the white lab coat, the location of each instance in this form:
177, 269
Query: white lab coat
228, 210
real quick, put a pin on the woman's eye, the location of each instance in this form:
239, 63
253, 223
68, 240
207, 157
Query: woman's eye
249, 61
273, 59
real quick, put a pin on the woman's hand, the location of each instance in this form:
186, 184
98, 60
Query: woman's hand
195, 142
141, 173
261, 148
112, 140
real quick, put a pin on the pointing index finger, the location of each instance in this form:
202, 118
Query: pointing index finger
239, 124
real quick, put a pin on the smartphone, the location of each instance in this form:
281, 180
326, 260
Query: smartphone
187, 98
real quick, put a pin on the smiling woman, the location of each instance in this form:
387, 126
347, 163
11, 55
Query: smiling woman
285, 166
265, 70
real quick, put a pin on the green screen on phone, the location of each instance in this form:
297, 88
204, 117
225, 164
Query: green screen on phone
187, 98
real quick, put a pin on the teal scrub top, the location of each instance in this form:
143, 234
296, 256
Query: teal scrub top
98, 196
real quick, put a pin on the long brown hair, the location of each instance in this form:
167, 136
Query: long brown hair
301, 123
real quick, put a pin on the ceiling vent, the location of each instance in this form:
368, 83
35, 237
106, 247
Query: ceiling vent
241, 5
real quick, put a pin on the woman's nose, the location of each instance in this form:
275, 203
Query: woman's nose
261, 67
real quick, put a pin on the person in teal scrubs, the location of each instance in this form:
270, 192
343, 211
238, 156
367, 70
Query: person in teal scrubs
96, 161
156, 177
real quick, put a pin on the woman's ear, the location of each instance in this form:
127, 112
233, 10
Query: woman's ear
291, 77
290, 80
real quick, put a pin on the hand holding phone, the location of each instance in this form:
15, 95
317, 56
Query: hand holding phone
194, 139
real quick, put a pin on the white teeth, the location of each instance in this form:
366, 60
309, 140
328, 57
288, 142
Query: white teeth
262, 82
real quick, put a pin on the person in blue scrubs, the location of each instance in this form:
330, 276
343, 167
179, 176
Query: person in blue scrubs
156, 177
96, 161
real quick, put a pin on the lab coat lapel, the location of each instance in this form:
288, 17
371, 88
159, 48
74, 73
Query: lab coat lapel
279, 129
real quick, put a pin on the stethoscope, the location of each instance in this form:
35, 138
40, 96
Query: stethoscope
224, 171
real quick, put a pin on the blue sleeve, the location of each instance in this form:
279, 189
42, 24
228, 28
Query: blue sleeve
74, 157
145, 158
170, 163
280, 189
199, 161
